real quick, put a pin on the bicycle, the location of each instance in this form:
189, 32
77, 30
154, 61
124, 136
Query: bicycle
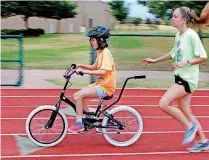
107, 122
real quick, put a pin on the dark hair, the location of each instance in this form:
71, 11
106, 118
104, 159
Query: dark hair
101, 43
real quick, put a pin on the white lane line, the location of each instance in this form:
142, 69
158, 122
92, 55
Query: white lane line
75, 89
124, 96
145, 132
131, 105
143, 117
99, 154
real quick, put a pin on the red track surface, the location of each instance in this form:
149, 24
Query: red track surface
161, 138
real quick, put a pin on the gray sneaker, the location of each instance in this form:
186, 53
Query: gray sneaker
190, 134
198, 147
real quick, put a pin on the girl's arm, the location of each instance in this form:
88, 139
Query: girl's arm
88, 67
164, 58
189, 62
94, 72
160, 59
197, 60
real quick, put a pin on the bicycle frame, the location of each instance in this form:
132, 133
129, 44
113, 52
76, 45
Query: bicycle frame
98, 111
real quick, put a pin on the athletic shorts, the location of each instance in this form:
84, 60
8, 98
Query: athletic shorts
182, 82
101, 94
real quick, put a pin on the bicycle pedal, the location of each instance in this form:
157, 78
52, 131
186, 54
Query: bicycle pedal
98, 130
83, 132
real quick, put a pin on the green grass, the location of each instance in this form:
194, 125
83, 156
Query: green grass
51, 51
125, 42
56, 51
146, 83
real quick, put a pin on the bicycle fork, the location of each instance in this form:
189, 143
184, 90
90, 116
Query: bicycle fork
51, 120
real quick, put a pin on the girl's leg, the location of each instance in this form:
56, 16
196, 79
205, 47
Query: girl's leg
176, 92
184, 104
80, 96
203, 144
173, 93
85, 107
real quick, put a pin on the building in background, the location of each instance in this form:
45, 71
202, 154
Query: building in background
90, 13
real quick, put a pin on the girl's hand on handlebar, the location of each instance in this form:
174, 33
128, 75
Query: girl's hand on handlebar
78, 65
80, 71
148, 61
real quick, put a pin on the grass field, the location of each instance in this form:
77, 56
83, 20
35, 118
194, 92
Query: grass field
56, 51
144, 83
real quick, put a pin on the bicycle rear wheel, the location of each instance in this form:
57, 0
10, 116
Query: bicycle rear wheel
131, 121
41, 135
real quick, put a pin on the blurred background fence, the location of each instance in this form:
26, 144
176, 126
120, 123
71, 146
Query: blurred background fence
12, 60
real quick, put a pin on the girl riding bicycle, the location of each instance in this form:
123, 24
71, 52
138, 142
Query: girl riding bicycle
103, 67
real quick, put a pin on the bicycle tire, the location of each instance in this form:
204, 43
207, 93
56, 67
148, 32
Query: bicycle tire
138, 131
38, 111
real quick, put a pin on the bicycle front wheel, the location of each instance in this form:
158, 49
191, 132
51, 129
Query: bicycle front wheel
131, 121
38, 132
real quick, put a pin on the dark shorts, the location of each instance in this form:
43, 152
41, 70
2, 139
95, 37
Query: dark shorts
180, 81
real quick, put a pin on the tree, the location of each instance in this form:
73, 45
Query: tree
43, 9
137, 21
164, 9
119, 10
59, 10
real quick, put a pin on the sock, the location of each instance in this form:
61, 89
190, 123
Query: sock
79, 119
204, 141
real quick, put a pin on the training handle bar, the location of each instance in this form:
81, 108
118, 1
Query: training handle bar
139, 77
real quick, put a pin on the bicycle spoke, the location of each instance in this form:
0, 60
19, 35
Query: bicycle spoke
46, 136
130, 119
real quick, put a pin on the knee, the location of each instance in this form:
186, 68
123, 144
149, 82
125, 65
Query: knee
163, 104
77, 96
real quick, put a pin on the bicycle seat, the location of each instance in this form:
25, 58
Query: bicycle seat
108, 97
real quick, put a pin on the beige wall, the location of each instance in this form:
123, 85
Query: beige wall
98, 11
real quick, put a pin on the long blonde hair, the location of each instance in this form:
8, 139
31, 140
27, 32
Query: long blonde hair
195, 21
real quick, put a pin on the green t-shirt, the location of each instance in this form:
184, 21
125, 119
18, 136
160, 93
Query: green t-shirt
188, 46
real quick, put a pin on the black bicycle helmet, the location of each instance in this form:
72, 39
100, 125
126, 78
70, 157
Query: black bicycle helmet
99, 32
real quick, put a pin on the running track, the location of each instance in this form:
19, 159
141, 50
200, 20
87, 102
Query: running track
161, 138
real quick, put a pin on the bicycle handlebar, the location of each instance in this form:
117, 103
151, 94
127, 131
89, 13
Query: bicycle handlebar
139, 77
70, 71
73, 66
121, 92
81, 73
